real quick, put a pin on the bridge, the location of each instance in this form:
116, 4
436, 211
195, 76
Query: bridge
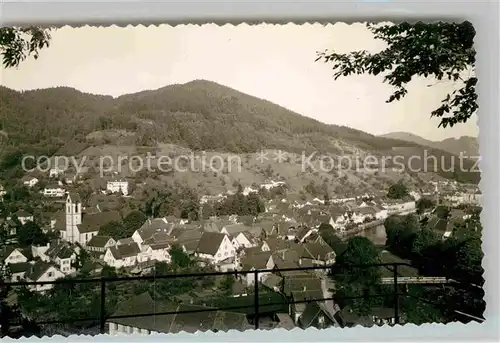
405, 280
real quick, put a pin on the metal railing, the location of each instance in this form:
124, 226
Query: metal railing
103, 318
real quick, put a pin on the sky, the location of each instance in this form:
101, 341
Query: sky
273, 62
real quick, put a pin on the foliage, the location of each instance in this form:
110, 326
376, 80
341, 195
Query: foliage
179, 258
31, 234
327, 232
16, 44
423, 204
227, 284
398, 191
440, 50
177, 200
442, 212
133, 221
351, 280
114, 229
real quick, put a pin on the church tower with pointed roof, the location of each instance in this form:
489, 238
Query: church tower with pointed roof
73, 216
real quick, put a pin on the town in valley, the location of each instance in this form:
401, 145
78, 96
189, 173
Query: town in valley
257, 193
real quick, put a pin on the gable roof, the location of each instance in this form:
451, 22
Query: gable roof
37, 270
210, 243
98, 241
311, 312
152, 226
124, 250
59, 249
256, 260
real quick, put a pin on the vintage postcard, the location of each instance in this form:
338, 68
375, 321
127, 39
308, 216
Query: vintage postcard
210, 178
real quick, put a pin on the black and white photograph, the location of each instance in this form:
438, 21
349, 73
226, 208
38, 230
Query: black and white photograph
168, 179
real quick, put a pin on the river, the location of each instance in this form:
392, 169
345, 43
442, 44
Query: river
375, 234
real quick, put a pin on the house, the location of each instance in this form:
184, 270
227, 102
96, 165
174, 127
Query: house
54, 191
9, 226
117, 186
348, 318
157, 251
29, 181
13, 255
234, 229
303, 233
244, 240
215, 247
367, 213
319, 254
123, 255
150, 227
56, 171
18, 270
42, 271
98, 244
383, 315
262, 260
316, 315
204, 320
63, 255
22, 216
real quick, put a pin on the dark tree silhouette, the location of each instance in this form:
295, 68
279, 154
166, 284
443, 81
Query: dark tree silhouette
440, 50
17, 44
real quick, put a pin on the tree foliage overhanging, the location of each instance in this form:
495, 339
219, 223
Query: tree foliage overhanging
440, 50
17, 44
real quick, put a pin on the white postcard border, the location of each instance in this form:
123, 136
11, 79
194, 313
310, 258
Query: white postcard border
484, 16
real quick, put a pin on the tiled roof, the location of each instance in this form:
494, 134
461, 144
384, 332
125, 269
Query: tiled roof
124, 250
98, 241
210, 243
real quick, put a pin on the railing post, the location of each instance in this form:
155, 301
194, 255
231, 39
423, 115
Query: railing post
103, 308
396, 295
256, 298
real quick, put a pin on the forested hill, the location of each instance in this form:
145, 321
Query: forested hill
198, 115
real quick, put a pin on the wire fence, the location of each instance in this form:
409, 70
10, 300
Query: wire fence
104, 282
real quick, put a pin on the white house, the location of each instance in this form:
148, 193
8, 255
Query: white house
245, 240
117, 186
159, 252
22, 216
215, 247
149, 228
63, 255
56, 171
42, 272
256, 261
98, 245
29, 181
16, 255
123, 255
54, 191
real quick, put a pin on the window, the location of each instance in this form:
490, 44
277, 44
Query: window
225, 254
50, 274
218, 255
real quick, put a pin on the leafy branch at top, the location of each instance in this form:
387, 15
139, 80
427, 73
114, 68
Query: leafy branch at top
440, 50
16, 44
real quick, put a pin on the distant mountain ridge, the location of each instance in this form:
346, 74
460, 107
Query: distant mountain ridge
468, 145
199, 115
